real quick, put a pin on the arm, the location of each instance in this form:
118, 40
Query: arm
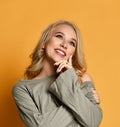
32, 117
87, 79
83, 106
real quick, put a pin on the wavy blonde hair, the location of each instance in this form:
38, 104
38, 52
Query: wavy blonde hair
38, 54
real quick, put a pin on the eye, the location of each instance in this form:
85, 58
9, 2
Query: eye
59, 36
72, 43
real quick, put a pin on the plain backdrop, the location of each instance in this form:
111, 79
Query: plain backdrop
21, 24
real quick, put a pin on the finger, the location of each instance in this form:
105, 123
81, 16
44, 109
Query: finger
93, 88
59, 62
96, 98
96, 95
59, 69
66, 65
61, 66
97, 101
63, 63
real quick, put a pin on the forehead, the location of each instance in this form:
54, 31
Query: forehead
65, 29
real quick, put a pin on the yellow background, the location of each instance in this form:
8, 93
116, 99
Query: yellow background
21, 24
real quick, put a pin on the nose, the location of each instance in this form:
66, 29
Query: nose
63, 45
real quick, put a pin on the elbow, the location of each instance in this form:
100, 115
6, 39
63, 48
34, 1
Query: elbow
92, 119
99, 119
95, 119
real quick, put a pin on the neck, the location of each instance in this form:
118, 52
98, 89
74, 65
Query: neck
48, 69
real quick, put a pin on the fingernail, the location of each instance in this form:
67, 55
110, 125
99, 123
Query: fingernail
57, 70
55, 63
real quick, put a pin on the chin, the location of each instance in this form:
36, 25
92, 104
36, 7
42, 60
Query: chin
57, 59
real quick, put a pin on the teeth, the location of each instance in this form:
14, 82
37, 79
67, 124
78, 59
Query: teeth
62, 53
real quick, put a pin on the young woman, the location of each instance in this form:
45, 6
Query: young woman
58, 92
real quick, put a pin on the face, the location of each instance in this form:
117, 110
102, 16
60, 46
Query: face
62, 43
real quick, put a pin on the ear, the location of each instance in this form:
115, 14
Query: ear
43, 46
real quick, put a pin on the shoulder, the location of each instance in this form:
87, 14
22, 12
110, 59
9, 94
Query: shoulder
86, 77
19, 87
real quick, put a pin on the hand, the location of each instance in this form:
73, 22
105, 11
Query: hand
64, 65
96, 95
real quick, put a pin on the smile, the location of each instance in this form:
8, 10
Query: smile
61, 52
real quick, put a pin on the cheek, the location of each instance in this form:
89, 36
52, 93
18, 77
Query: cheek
71, 52
51, 44
48, 50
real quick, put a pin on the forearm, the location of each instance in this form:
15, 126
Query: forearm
59, 117
32, 117
65, 88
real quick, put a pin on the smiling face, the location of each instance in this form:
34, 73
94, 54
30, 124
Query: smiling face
62, 43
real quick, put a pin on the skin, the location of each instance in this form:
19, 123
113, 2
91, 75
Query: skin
59, 51
63, 39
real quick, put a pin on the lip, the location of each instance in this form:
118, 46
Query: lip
61, 51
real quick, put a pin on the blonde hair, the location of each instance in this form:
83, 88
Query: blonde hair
38, 54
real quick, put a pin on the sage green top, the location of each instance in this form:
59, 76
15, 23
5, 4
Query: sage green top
59, 103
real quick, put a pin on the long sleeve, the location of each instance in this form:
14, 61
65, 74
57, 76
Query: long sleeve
33, 117
82, 105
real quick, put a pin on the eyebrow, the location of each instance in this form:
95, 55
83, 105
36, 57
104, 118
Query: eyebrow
59, 33
63, 34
